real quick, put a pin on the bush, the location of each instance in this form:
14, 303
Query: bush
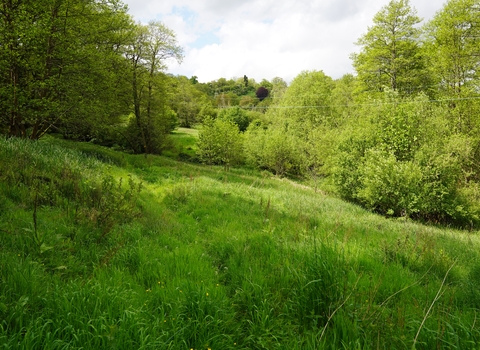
236, 115
220, 142
273, 149
389, 186
400, 158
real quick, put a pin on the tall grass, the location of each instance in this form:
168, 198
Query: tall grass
202, 259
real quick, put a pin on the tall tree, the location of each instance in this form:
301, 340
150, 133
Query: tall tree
306, 103
279, 86
150, 47
390, 52
453, 37
453, 43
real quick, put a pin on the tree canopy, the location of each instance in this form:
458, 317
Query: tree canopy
390, 50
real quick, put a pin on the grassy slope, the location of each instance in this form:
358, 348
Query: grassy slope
237, 260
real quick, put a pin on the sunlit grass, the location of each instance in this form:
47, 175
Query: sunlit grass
219, 260
184, 145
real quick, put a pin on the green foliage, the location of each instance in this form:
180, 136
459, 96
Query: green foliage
237, 260
405, 161
189, 103
236, 115
401, 124
389, 186
452, 45
220, 142
306, 103
59, 66
155, 132
272, 149
390, 54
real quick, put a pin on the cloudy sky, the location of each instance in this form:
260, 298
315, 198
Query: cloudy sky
266, 38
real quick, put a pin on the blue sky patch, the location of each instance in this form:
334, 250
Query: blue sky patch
186, 13
204, 39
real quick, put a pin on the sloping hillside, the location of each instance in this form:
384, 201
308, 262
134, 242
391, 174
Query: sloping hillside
101, 249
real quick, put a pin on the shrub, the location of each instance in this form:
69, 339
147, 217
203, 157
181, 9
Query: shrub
236, 115
273, 149
389, 186
220, 142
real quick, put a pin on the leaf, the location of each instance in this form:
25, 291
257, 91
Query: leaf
44, 248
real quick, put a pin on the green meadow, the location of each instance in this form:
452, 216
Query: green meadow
105, 250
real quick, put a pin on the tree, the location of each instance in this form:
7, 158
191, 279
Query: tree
262, 93
228, 99
453, 38
343, 98
390, 51
247, 101
279, 86
306, 103
58, 61
187, 101
453, 43
237, 115
150, 46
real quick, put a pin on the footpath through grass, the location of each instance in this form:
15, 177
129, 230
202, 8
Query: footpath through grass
104, 250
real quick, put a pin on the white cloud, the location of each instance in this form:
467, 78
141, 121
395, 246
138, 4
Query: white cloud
268, 38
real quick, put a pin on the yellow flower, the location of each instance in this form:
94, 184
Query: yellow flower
207, 294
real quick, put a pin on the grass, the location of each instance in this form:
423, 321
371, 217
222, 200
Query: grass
184, 145
199, 258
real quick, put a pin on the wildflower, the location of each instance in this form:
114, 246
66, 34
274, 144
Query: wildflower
207, 294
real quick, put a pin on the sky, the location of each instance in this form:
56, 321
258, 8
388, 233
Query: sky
263, 39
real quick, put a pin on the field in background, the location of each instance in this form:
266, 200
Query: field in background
185, 146
101, 249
